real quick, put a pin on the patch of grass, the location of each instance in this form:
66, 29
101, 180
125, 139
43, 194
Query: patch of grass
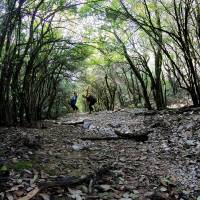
15, 166
21, 165
4, 171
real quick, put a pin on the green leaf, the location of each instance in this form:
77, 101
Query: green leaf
3, 168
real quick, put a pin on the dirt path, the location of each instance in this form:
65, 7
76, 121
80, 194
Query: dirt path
166, 166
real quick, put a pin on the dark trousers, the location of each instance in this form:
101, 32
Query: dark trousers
91, 107
75, 108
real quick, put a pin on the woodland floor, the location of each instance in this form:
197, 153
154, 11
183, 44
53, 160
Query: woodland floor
166, 166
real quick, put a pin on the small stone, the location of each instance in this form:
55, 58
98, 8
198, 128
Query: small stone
123, 159
19, 181
29, 189
26, 156
190, 142
163, 189
14, 160
105, 187
77, 147
87, 124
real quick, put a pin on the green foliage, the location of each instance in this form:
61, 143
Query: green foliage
80, 52
3, 168
90, 8
86, 10
20, 165
43, 59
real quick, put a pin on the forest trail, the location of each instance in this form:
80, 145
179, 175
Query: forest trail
166, 166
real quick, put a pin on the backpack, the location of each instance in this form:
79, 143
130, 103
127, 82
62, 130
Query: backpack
93, 99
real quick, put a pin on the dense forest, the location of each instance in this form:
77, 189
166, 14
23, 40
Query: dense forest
128, 53
134, 65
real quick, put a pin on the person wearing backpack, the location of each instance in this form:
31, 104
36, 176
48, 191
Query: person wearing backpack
73, 101
91, 100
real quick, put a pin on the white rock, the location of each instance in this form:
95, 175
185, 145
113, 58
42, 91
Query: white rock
105, 187
190, 142
87, 124
78, 147
163, 189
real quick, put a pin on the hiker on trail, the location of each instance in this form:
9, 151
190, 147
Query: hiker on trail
73, 102
91, 100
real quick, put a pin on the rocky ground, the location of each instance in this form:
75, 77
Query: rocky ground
84, 157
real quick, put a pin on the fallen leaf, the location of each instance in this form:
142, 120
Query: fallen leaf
74, 192
105, 187
14, 188
45, 196
2, 195
19, 193
9, 196
31, 194
134, 196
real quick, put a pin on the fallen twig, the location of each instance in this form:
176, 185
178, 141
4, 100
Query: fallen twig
67, 181
31, 194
